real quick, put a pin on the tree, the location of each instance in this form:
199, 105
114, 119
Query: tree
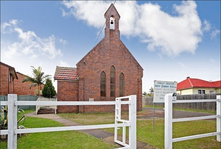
48, 90
37, 79
151, 92
144, 93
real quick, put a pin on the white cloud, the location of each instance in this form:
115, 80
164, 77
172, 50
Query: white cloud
62, 63
14, 22
64, 13
63, 41
28, 43
182, 65
171, 35
215, 33
4, 25
91, 12
206, 26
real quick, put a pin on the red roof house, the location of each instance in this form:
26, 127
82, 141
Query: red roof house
198, 86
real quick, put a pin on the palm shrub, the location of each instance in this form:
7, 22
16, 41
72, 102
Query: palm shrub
37, 79
48, 90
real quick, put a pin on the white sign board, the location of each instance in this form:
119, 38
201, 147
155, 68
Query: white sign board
161, 88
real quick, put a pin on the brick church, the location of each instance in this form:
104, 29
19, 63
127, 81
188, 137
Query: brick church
108, 71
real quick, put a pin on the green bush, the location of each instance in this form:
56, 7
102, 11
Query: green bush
48, 90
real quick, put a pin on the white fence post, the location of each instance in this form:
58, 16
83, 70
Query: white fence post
12, 121
133, 121
218, 121
168, 121
117, 106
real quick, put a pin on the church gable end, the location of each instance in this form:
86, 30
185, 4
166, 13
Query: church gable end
109, 54
109, 70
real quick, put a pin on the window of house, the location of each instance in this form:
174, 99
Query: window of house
201, 92
121, 84
103, 84
9, 77
112, 82
212, 92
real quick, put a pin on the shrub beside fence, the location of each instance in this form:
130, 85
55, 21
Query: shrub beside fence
199, 106
22, 98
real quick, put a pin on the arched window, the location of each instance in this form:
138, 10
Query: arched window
112, 82
103, 84
121, 84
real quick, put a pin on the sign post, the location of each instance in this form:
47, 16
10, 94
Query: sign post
161, 88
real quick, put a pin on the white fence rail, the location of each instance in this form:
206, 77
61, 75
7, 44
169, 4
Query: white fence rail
169, 100
131, 123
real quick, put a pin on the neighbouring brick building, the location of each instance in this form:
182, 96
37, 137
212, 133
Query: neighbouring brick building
108, 71
24, 88
11, 82
8, 75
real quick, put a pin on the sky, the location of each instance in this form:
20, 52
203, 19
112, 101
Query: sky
171, 40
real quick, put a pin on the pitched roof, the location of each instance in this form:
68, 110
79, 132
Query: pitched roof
217, 83
11, 70
110, 10
66, 73
194, 83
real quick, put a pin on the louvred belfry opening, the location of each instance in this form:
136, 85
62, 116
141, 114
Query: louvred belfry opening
112, 22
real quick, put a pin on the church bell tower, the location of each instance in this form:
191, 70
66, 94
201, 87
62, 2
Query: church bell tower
112, 23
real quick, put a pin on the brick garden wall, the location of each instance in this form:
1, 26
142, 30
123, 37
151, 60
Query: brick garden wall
68, 91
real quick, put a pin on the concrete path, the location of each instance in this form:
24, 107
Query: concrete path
100, 134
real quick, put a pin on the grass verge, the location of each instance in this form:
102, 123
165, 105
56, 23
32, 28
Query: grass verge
55, 140
155, 138
181, 109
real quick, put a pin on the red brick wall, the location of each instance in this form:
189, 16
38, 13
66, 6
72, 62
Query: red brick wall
67, 91
109, 52
24, 88
4, 86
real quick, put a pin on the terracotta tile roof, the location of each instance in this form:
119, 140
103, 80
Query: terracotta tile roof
66, 73
194, 83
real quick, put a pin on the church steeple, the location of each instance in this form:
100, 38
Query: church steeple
112, 22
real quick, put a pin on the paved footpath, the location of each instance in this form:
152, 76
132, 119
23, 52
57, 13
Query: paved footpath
100, 134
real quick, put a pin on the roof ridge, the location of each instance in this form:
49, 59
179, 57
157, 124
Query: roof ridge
66, 67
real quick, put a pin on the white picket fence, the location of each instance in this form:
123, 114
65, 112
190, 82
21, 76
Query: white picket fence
169, 100
131, 123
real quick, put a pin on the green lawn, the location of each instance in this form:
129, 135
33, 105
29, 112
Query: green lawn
181, 109
146, 134
155, 138
56, 140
